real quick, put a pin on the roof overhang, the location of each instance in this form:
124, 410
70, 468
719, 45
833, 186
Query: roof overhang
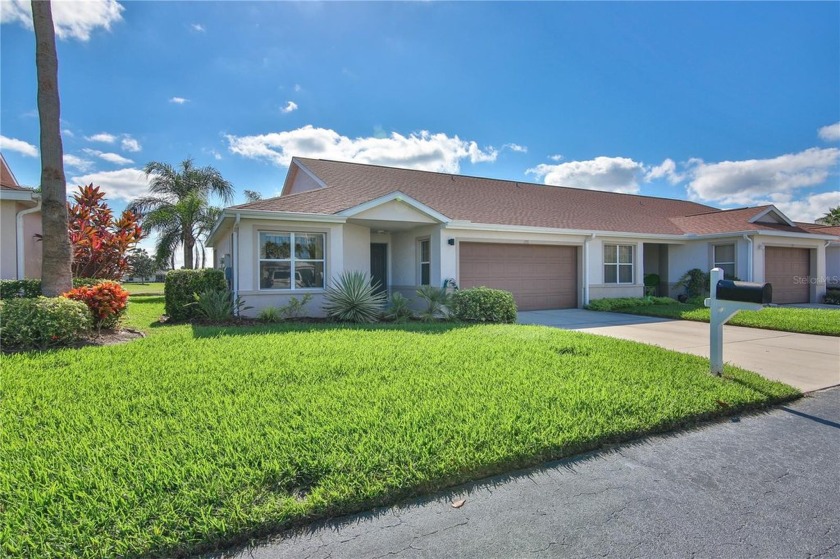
24, 196
231, 215
399, 199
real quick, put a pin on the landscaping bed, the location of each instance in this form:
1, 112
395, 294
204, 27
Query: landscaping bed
197, 437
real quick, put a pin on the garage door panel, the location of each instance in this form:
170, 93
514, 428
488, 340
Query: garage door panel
539, 276
788, 270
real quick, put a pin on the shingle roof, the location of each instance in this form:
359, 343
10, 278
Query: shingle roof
502, 202
7, 178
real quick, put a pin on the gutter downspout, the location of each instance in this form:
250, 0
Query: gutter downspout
750, 257
21, 261
586, 269
236, 259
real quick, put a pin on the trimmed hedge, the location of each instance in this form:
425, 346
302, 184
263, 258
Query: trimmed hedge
181, 286
627, 302
42, 322
832, 297
482, 304
31, 288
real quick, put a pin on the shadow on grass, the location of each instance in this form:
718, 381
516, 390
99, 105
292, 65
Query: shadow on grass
213, 331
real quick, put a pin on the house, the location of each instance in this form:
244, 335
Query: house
551, 247
20, 222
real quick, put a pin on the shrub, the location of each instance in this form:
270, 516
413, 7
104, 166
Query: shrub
832, 297
182, 285
40, 323
399, 309
694, 282
438, 301
352, 298
31, 288
292, 309
606, 305
482, 304
217, 305
270, 314
106, 300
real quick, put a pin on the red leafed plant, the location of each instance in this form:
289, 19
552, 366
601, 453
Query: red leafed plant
106, 301
101, 244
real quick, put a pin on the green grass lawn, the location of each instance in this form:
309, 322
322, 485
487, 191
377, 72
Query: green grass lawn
197, 437
144, 288
806, 321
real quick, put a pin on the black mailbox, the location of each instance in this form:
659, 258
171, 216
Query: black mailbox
745, 292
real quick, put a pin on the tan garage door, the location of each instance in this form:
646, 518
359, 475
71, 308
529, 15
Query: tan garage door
539, 276
788, 270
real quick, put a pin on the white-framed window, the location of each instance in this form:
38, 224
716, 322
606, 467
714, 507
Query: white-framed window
425, 261
291, 261
618, 263
724, 258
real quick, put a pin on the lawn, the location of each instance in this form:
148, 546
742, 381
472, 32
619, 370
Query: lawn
199, 437
805, 321
144, 288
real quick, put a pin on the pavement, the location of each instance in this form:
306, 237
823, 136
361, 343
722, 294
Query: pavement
806, 361
761, 486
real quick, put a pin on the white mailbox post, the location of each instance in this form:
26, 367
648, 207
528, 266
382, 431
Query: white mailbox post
738, 296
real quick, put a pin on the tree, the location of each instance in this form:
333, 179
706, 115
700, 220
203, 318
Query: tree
141, 265
178, 207
56, 261
252, 196
100, 243
832, 217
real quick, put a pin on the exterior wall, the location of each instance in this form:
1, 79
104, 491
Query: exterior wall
600, 290
32, 247
832, 265
8, 236
356, 249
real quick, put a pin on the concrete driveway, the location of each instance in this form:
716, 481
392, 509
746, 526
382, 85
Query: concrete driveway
805, 361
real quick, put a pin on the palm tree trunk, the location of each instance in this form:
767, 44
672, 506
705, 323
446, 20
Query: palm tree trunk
56, 277
189, 245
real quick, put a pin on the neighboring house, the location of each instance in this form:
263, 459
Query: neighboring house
551, 247
20, 222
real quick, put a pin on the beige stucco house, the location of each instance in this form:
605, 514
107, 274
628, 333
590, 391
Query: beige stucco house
20, 222
551, 247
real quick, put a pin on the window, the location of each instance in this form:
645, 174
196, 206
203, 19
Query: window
291, 261
618, 263
425, 262
724, 257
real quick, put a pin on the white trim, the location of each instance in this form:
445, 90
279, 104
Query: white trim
269, 215
18, 195
398, 197
774, 209
420, 261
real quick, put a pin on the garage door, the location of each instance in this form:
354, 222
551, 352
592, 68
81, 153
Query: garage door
539, 276
788, 269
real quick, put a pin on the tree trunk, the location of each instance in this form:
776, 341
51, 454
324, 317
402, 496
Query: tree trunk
189, 245
56, 276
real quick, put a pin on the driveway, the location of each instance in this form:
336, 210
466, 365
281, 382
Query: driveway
805, 361
762, 487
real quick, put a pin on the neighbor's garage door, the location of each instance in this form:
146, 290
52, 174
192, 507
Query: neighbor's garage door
787, 269
539, 276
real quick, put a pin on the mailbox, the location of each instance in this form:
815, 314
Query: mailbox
745, 292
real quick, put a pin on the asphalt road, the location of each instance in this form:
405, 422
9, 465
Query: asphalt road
767, 485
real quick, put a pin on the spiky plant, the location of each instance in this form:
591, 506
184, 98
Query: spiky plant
438, 300
399, 309
353, 298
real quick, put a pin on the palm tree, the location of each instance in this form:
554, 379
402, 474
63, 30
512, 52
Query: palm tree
178, 206
252, 196
56, 277
831, 218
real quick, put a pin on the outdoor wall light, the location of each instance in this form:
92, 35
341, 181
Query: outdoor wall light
451, 242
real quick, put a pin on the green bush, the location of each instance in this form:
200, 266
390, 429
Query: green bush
31, 288
218, 305
41, 322
606, 305
353, 298
482, 304
270, 314
181, 287
832, 297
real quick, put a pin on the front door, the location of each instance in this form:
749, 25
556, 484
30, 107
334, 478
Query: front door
379, 265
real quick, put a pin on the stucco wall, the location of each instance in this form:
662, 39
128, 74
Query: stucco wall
32, 247
832, 265
8, 250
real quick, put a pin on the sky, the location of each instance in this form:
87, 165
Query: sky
727, 104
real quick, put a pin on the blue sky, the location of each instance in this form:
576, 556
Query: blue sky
730, 104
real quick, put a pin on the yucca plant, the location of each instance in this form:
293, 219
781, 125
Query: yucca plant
353, 298
438, 300
399, 309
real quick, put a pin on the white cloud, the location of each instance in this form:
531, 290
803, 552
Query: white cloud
19, 146
419, 150
616, 174
516, 148
556, 157
67, 132
198, 27
290, 106
72, 20
179, 100
130, 144
667, 170
103, 137
123, 184
744, 182
109, 157
830, 133
810, 208
298, 88
77, 162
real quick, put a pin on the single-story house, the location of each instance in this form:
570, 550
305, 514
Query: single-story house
551, 247
20, 223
